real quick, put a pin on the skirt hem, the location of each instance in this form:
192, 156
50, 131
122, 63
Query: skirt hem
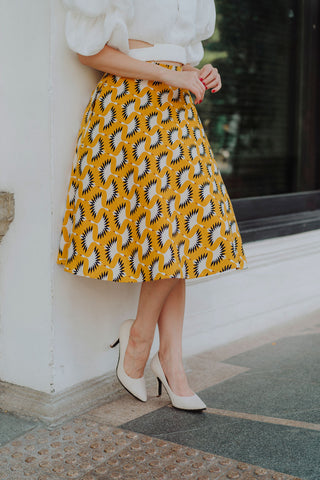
242, 266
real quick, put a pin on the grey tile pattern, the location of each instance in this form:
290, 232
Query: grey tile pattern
11, 426
293, 451
88, 450
282, 381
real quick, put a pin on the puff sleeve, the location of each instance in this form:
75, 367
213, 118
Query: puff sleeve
91, 24
204, 28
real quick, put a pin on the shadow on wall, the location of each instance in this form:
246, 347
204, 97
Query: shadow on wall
6, 212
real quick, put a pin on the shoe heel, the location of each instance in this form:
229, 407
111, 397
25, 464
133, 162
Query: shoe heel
159, 387
115, 343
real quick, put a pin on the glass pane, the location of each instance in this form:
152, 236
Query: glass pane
251, 121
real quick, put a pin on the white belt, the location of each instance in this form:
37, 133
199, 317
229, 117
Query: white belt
160, 51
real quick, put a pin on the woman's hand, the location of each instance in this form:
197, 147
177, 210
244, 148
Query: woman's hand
208, 75
189, 80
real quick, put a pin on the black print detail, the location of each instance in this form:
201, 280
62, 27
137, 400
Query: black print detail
133, 127
151, 121
185, 132
94, 260
156, 139
83, 162
109, 118
208, 210
147, 246
144, 168
128, 108
168, 257
163, 235
111, 249
222, 208
150, 190
95, 204
123, 89
97, 150
127, 237
93, 131
191, 220
204, 191
166, 115
73, 192
115, 139
177, 155
214, 233
72, 252
154, 268
234, 247
200, 264
86, 238
120, 215
194, 242
218, 254
173, 135
192, 152
226, 267
181, 250
78, 267
134, 260
139, 148
186, 197
156, 212
175, 227
161, 161
122, 159
198, 170
112, 192
134, 202
145, 101
141, 224
182, 176
104, 171
79, 216
165, 182
103, 226
104, 101
87, 182
170, 205
128, 181
181, 115
118, 271
163, 97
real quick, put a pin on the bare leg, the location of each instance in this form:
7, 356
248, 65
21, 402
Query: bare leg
170, 326
153, 294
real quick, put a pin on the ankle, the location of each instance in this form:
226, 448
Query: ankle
170, 358
138, 337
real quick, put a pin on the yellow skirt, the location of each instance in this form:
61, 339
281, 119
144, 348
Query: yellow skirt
146, 200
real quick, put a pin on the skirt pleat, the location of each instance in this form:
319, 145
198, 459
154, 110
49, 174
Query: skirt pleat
146, 200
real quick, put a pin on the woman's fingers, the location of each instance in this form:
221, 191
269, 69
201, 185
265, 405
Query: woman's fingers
210, 77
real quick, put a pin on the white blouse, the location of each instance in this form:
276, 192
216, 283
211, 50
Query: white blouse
175, 27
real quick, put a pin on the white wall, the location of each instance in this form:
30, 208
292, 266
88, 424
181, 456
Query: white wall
55, 327
25, 269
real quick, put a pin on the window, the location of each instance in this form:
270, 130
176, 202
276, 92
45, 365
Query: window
263, 125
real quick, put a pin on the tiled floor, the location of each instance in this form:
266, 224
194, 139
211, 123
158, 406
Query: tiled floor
262, 422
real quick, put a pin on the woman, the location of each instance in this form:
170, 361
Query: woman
146, 202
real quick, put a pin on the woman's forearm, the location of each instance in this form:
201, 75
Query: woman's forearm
110, 60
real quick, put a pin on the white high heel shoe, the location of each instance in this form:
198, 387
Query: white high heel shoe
135, 386
192, 402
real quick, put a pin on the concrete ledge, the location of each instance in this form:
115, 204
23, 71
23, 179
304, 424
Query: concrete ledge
6, 212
